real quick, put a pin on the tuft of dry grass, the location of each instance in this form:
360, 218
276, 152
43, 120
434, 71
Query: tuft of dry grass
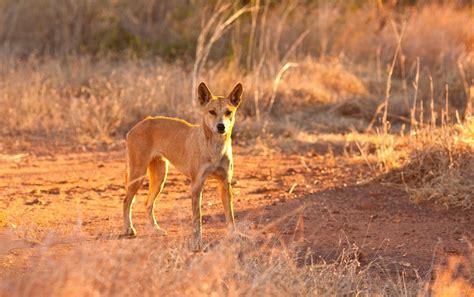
441, 167
431, 164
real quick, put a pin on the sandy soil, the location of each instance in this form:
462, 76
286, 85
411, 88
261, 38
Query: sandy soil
52, 197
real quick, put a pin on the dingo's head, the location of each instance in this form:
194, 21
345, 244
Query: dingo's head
219, 111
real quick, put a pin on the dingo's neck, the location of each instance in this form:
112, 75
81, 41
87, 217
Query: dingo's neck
216, 144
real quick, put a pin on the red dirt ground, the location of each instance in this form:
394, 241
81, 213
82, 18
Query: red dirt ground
49, 196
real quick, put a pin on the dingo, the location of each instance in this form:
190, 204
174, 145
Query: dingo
197, 151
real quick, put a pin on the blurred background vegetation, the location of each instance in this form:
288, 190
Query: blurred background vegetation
297, 59
170, 29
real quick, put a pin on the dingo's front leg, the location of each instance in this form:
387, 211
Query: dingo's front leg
196, 194
227, 197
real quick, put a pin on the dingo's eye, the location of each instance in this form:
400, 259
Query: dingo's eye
228, 113
213, 112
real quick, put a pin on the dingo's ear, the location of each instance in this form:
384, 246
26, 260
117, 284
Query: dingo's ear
235, 96
204, 94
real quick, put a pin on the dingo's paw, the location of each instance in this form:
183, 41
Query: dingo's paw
130, 232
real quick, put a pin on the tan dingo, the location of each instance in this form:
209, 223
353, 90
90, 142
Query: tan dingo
197, 151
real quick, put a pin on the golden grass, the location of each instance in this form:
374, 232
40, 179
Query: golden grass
92, 101
230, 267
432, 164
441, 167
68, 88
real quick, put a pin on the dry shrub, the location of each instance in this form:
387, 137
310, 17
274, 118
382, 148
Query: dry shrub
231, 267
435, 164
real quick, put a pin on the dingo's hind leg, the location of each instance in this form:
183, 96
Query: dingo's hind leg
136, 174
157, 171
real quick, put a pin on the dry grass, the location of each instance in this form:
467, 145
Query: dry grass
432, 163
96, 101
231, 267
258, 41
439, 166
88, 100
56, 82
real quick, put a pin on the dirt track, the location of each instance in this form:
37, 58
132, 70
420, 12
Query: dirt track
54, 198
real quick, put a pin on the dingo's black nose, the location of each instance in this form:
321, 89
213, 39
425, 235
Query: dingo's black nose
221, 128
